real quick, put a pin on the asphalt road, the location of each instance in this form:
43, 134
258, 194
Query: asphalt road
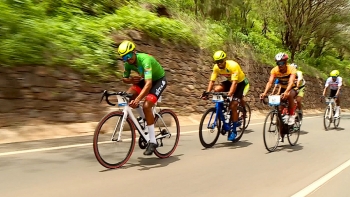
318, 166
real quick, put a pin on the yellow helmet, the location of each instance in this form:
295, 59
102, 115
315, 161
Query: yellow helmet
219, 55
125, 47
334, 73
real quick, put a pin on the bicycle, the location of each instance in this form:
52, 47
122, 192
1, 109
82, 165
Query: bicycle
222, 119
117, 128
276, 123
330, 101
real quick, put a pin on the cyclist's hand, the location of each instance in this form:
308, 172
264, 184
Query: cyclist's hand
230, 94
285, 95
135, 79
204, 95
262, 96
134, 103
321, 98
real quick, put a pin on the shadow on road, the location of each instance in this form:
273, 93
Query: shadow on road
303, 132
232, 145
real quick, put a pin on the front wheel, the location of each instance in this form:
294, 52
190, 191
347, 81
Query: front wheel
167, 131
327, 118
210, 125
113, 143
271, 132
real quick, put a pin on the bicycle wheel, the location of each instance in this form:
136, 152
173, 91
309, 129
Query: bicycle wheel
247, 115
327, 118
207, 126
241, 129
105, 142
337, 120
294, 131
167, 128
271, 131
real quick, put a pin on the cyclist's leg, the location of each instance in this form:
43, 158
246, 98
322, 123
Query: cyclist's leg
337, 102
281, 91
245, 92
152, 97
237, 96
291, 106
299, 99
224, 86
136, 90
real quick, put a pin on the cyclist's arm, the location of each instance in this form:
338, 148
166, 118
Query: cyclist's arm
269, 83
325, 87
290, 82
148, 79
339, 86
126, 75
300, 77
233, 88
212, 80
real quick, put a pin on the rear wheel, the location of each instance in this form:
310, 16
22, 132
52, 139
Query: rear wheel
247, 115
294, 131
167, 130
209, 127
337, 120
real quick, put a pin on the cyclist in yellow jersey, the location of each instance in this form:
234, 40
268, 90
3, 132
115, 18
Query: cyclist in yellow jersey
286, 74
235, 85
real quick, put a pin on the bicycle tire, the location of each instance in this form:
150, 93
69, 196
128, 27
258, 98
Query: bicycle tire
326, 112
98, 156
265, 132
177, 137
297, 121
249, 113
238, 137
201, 139
336, 121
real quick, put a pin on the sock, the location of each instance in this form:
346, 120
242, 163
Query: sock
152, 136
140, 111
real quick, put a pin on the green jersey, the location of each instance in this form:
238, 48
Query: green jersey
147, 66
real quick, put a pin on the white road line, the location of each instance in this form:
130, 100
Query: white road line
318, 183
90, 144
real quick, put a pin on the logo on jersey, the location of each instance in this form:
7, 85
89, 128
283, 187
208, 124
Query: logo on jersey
158, 90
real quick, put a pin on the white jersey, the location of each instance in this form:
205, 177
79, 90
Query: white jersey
333, 85
300, 79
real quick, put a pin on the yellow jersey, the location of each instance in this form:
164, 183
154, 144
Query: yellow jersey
232, 72
283, 78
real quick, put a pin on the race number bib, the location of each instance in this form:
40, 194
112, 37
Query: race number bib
274, 100
121, 101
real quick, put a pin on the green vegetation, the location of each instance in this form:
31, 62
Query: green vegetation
76, 32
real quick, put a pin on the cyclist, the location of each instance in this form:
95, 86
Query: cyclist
277, 86
235, 85
334, 82
300, 83
150, 84
285, 74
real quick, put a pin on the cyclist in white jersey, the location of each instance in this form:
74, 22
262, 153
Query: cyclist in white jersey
334, 82
300, 82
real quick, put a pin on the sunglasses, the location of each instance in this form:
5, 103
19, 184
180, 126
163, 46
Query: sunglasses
127, 56
281, 63
219, 61
334, 77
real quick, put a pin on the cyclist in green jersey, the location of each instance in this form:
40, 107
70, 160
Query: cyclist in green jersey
149, 84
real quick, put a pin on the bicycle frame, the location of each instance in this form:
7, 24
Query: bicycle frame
219, 106
128, 113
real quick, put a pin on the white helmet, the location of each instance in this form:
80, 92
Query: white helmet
294, 65
281, 57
